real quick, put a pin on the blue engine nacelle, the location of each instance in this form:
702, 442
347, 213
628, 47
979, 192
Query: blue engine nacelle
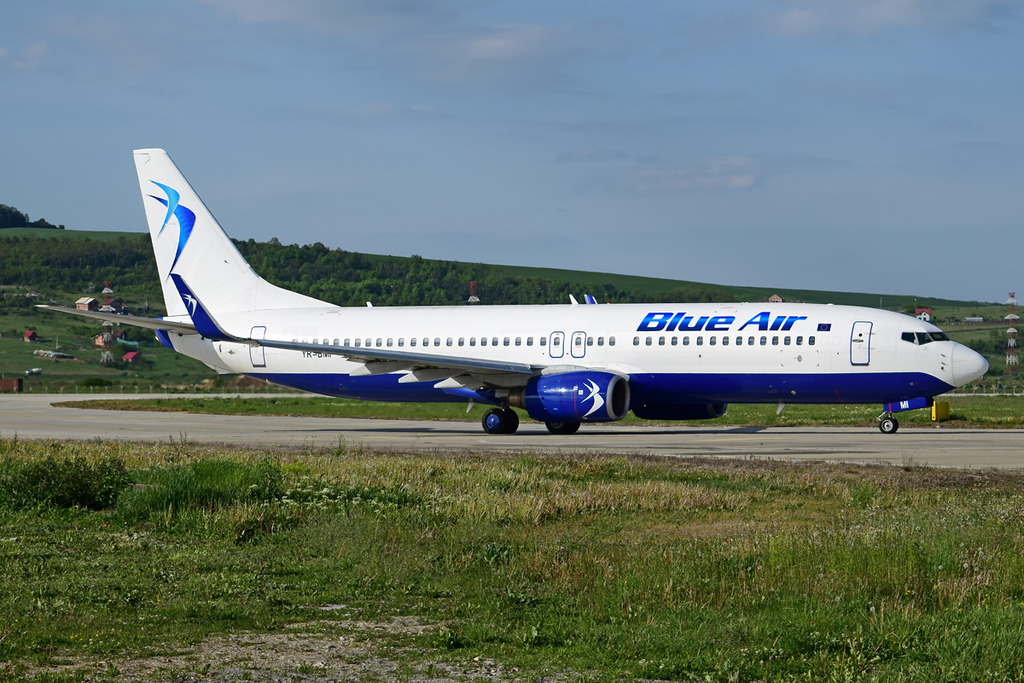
680, 411
575, 397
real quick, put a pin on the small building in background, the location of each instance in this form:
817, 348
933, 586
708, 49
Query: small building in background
132, 357
31, 336
924, 314
11, 386
86, 303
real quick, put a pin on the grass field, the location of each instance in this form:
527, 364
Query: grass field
74, 336
595, 568
965, 411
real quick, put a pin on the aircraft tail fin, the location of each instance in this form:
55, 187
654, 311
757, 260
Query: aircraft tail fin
188, 242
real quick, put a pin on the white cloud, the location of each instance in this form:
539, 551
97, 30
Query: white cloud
807, 17
30, 58
721, 173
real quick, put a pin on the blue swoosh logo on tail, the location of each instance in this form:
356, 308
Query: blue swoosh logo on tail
185, 216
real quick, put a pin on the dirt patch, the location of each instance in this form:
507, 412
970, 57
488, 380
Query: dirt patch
311, 652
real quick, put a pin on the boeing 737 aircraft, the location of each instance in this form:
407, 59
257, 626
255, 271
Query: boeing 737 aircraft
562, 364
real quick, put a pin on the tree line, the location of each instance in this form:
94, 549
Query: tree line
10, 217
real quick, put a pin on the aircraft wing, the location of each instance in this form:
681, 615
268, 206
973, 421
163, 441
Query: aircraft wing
134, 320
391, 360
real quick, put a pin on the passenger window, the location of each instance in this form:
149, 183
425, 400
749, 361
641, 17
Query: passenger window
401, 341
336, 342
775, 341
389, 342
764, 341
725, 340
556, 341
674, 341
529, 341
648, 341
810, 340
483, 341
472, 341
368, 342
346, 342
519, 341
437, 341
412, 341
449, 341
600, 341
686, 341
462, 341
494, 341
661, 341
786, 341
504, 342
543, 341
590, 341
611, 341
380, 342
799, 341
316, 341
750, 341
712, 340
358, 343
636, 341
700, 340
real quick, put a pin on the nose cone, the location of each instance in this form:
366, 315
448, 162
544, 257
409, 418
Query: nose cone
968, 365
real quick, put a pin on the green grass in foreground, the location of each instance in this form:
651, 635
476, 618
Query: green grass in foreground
609, 568
967, 411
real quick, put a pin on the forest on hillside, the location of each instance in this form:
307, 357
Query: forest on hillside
10, 217
80, 266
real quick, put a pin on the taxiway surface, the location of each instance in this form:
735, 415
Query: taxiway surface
33, 416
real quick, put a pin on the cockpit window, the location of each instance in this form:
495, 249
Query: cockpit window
921, 338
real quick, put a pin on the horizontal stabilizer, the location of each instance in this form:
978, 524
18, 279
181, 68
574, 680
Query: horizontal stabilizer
133, 320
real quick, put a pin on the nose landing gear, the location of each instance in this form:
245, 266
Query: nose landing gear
887, 424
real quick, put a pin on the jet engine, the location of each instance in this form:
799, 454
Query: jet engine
574, 397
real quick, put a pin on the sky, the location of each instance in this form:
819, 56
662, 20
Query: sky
846, 145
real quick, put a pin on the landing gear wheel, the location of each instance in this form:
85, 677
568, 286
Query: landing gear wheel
888, 424
500, 421
562, 427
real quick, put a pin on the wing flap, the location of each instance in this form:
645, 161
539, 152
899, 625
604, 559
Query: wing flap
403, 360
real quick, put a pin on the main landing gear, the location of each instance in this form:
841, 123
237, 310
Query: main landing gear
887, 424
506, 421
500, 421
562, 427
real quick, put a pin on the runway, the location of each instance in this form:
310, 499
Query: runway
31, 416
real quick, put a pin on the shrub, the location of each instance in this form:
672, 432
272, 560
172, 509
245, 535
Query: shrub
207, 484
69, 482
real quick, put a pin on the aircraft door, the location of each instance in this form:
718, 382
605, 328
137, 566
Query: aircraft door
556, 345
578, 344
860, 343
256, 353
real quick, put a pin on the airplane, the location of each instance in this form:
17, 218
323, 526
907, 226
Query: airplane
563, 364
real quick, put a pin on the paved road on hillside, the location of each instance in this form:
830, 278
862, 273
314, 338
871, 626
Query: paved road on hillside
33, 416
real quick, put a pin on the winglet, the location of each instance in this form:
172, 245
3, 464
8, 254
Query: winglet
204, 322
